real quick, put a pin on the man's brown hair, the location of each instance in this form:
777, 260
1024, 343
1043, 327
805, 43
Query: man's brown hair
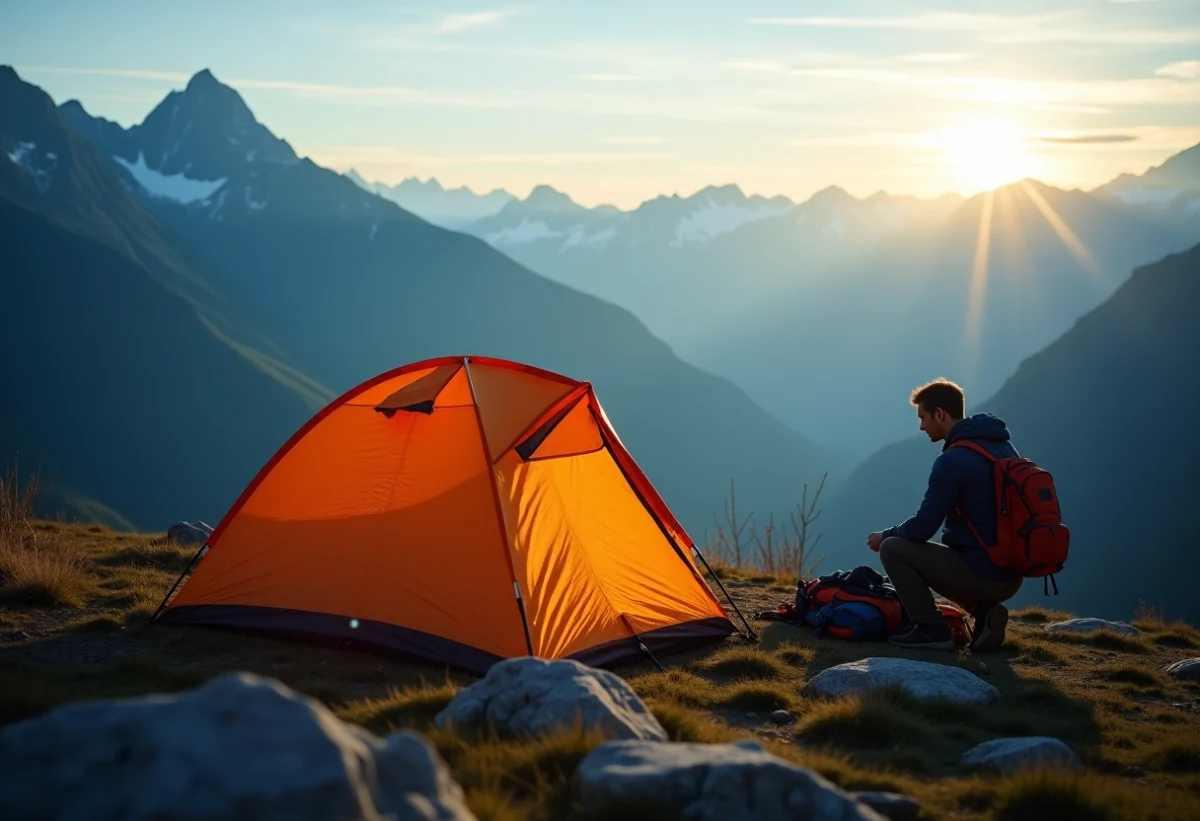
941, 393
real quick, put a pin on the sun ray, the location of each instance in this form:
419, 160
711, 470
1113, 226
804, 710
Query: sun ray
1068, 237
979, 277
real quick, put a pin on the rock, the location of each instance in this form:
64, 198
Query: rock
890, 804
922, 679
239, 747
710, 782
189, 533
1009, 755
531, 696
752, 716
1186, 670
1091, 626
782, 717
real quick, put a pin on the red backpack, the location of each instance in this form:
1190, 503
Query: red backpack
1030, 535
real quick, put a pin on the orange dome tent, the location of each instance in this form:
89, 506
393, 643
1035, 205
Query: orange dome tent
462, 510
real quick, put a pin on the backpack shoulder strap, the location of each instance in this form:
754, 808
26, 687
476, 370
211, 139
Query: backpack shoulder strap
975, 446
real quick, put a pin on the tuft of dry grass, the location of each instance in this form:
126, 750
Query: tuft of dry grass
1178, 752
743, 662
1104, 639
756, 696
684, 724
412, 707
675, 687
1040, 615
795, 655
42, 571
1130, 674
1029, 648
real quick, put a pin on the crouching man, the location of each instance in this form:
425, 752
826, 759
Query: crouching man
958, 568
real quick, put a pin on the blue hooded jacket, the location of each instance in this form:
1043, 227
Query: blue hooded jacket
963, 477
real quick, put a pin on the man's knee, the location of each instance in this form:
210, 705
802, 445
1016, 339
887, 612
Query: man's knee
891, 548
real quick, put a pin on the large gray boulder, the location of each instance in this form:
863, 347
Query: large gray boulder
1186, 670
530, 696
921, 679
1010, 755
239, 747
1091, 626
711, 782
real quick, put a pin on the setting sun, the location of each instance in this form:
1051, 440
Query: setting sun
987, 153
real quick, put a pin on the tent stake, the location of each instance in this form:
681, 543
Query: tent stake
170, 592
750, 634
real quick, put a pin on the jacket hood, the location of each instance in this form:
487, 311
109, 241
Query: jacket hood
979, 426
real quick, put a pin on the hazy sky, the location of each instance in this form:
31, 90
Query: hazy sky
619, 102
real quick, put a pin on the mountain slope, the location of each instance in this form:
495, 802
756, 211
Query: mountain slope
353, 285
1099, 408
122, 380
1173, 187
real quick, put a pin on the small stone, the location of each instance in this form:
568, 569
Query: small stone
752, 716
921, 679
529, 696
890, 804
782, 717
1010, 755
1186, 670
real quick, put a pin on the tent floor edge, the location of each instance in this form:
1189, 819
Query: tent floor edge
663, 641
334, 630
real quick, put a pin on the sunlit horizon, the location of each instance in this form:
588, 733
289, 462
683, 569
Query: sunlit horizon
621, 104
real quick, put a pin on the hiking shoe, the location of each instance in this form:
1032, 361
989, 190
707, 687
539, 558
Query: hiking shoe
990, 623
924, 637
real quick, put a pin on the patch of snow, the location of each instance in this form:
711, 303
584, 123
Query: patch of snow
251, 154
601, 236
526, 232
374, 228
803, 216
1143, 195
18, 154
253, 204
714, 220
25, 156
50, 155
835, 226
216, 212
1192, 207
175, 187
579, 236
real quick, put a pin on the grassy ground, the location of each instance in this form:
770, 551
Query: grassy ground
74, 601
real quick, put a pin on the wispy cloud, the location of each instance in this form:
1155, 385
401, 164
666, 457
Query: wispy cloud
1091, 139
132, 73
1056, 27
935, 57
1184, 69
348, 156
478, 19
634, 140
932, 21
607, 78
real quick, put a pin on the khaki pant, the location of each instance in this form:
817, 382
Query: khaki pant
915, 567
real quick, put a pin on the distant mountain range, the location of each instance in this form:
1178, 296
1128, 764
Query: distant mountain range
1098, 408
853, 298
449, 208
306, 284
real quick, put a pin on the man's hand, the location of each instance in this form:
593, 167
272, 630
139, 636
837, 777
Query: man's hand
875, 540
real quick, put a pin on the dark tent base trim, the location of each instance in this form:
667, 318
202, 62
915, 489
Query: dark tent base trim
309, 626
675, 638
419, 646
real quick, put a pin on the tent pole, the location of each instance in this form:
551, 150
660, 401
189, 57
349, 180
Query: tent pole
170, 592
750, 634
641, 644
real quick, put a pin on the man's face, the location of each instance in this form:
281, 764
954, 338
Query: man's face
932, 423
